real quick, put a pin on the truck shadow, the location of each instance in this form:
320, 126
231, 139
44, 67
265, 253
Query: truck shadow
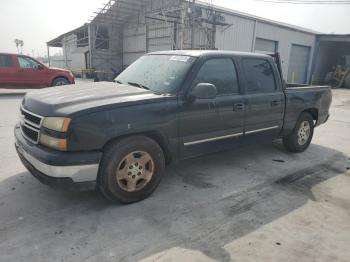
202, 204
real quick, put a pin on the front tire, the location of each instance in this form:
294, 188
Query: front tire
300, 139
131, 169
60, 81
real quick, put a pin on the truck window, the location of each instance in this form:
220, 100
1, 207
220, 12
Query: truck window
159, 73
259, 74
5, 61
220, 72
26, 62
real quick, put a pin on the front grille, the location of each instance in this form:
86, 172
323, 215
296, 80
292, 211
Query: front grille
30, 133
30, 125
31, 118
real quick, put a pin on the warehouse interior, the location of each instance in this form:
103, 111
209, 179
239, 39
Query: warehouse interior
331, 51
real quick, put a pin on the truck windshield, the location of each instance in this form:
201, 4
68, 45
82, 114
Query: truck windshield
158, 73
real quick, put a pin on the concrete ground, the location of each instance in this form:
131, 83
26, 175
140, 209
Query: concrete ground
256, 203
10, 92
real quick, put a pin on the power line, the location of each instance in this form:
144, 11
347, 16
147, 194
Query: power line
304, 2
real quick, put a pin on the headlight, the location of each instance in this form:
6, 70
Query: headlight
53, 142
59, 124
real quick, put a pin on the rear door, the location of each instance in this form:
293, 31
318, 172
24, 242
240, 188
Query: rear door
265, 101
7, 70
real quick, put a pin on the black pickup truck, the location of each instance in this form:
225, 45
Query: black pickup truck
167, 106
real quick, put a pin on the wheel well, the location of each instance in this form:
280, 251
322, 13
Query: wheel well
313, 112
158, 138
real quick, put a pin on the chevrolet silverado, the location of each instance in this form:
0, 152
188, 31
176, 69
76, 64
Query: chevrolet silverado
165, 107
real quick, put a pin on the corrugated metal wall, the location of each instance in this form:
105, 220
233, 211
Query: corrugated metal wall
159, 36
134, 43
238, 36
73, 54
109, 59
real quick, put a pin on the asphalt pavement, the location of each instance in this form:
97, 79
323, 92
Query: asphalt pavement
255, 203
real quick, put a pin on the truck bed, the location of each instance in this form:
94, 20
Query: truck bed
316, 99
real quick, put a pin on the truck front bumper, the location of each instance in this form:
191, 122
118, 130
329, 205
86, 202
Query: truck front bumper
65, 170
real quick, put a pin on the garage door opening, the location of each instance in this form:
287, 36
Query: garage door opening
332, 54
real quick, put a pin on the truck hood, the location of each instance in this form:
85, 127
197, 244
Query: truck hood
86, 97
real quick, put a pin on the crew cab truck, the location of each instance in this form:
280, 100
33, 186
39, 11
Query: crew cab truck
165, 107
20, 71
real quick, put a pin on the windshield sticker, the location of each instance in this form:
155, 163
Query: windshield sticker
180, 58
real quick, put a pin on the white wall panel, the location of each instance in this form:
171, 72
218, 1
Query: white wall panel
238, 36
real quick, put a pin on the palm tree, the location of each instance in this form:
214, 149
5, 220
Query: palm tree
19, 43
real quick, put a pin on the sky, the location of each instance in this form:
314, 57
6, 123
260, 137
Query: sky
38, 21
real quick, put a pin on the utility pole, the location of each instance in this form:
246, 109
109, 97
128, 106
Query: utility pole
48, 54
193, 23
183, 24
213, 30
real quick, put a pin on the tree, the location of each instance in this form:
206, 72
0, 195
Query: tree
19, 45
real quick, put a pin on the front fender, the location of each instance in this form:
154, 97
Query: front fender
92, 131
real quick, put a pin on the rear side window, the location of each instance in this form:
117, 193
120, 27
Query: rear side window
220, 72
259, 74
5, 61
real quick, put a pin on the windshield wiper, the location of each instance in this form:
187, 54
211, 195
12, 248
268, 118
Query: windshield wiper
138, 85
117, 81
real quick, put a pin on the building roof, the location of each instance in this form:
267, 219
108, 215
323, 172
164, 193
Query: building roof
259, 19
57, 42
119, 11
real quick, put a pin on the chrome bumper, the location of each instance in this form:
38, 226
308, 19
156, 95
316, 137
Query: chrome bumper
78, 173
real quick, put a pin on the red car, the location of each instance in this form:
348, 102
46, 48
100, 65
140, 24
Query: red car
20, 71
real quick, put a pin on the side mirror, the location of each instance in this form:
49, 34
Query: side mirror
204, 91
40, 67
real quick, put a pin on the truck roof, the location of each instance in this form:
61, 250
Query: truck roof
200, 53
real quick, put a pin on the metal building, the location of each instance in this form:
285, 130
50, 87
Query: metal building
124, 30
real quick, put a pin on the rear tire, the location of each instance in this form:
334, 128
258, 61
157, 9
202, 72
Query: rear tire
60, 81
300, 139
131, 169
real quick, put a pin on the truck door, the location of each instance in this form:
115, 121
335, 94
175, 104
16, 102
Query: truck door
204, 124
265, 101
7, 70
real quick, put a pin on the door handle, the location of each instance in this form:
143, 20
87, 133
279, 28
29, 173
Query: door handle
275, 103
238, 107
